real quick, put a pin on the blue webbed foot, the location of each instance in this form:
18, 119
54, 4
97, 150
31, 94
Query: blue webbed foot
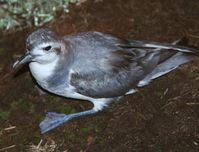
52, 120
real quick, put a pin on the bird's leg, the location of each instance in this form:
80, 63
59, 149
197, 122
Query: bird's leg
54, 119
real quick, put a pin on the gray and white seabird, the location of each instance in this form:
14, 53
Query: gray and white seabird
97, 67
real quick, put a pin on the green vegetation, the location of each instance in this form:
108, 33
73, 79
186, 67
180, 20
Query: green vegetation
4, 114
30, 12
89, 128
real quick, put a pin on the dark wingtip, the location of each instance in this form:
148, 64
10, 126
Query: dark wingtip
185, 41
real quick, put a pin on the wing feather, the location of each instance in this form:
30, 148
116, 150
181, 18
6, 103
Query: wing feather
122, 73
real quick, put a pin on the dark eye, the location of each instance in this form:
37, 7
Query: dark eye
47, 48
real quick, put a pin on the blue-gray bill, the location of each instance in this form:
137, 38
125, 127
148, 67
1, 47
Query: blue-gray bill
27, 57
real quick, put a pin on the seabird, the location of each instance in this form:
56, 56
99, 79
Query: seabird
96, 67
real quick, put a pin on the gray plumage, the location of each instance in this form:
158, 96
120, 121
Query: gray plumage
104, 66
97, 67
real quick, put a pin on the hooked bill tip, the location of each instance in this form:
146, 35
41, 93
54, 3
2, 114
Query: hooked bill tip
27, 57
15, 64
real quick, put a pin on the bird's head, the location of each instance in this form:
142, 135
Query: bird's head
42, 46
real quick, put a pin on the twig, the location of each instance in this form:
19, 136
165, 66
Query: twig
165, 92
38, 146
6, 148
10, 128
194, 36
192, 103
166, 105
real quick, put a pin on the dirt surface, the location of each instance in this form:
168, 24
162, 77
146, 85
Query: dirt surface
162, 117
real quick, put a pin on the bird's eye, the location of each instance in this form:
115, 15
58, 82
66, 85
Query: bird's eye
47, 48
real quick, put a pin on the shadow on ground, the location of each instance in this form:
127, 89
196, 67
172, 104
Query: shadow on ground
162, 117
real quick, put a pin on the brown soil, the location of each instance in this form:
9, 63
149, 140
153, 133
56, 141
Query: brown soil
162, 117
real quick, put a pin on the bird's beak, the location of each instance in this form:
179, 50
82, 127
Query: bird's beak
27, 57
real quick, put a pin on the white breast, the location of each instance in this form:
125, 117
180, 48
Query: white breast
42, 71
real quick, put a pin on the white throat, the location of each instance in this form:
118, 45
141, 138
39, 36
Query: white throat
42, 71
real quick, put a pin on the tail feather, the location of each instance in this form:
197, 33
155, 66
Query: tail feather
169, 60
166, 54
165, 67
